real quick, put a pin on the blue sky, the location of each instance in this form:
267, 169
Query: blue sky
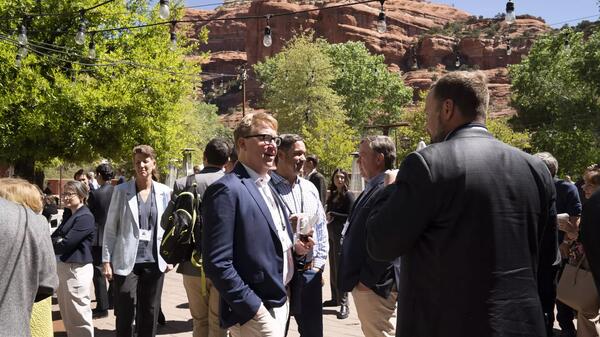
553, 11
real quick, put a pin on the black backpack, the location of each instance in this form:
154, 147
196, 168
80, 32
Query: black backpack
183, 226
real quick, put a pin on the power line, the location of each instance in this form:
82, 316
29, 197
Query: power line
572, 20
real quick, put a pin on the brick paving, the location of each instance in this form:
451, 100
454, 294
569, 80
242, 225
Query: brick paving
179, 322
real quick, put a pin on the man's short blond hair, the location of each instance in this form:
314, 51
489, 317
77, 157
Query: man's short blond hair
244, 128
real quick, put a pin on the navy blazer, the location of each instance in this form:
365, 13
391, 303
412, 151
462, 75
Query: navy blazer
78, 234
355, 264
241, 250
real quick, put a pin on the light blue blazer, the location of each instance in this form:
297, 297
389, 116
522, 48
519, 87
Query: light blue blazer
122, 228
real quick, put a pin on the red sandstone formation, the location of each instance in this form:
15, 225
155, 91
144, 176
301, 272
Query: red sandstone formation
433, 34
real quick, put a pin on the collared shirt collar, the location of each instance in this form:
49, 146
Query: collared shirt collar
312, 172
376, 180
260, 180
278, 179
465, 126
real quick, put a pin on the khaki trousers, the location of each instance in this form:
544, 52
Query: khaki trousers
377, 315
587, 325
73, 292
204, 308
271, 324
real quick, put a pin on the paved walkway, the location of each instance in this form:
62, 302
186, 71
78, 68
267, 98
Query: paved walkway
179, 322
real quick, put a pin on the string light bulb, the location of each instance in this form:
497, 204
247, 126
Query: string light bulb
22, 50
381, 24
508, 48
92, 49
164, 12
267, 39
80, 36
510, 16
18, 61
173, 44
22, 38
457, 63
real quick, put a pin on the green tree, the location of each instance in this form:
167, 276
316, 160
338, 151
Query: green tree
555, 91
371, 93
297, 84
62, 104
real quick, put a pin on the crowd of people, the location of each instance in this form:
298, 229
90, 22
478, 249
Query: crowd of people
468, 237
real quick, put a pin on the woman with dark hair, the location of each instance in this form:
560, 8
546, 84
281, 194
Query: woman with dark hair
72, 243
339, 203
132, 237
589, 236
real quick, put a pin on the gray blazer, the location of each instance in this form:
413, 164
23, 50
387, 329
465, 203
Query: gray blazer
122, 228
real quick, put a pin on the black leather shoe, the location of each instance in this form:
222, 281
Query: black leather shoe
99, 313
330, 303
161, 318
344, 312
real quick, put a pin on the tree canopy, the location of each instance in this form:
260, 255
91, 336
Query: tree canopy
556, 94
329, 93
61, 103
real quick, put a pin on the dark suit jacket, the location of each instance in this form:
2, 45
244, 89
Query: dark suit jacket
319, 181
355, 264
78, 234
589, 229
468, 216
98, 203
241, 250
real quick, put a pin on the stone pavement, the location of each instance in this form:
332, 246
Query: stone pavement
179, 322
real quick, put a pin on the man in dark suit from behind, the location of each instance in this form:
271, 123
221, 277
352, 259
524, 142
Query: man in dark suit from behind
310, 172
203, 298
98, 202
469, 215
371, 282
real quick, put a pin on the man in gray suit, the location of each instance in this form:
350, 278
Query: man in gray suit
472, 218
203, 298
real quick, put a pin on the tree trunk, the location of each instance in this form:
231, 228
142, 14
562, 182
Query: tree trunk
25, 169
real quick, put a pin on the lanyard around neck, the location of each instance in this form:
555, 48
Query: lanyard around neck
140, 201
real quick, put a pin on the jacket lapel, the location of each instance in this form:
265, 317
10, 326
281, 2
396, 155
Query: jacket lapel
132, 202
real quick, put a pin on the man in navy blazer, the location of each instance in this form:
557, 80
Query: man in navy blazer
247, 240
372, 283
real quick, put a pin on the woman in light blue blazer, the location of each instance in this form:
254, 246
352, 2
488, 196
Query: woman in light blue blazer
132, 237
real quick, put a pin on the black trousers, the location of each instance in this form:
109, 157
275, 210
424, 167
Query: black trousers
547, 293
334, 230
138, 295
103, 295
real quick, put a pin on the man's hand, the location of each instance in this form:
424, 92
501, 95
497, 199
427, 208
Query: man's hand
302, 248
107, 271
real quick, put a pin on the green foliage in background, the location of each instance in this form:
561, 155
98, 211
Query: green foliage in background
556, 94
329, 93
62, 106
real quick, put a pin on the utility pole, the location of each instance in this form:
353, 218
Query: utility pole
244, 78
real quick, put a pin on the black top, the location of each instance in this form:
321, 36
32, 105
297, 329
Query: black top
589, 229
339, 206
98, 203
148, 214
77, 231
567, 201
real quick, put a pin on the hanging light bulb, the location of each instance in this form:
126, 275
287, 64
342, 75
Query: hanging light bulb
23, 35
80, 36
267, 39
18, 61
22, 50
457, 63
164, 12
381, 24
508, 50
92, 50
173, 44
415, 64
510, 16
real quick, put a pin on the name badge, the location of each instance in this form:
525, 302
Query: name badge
145, 235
